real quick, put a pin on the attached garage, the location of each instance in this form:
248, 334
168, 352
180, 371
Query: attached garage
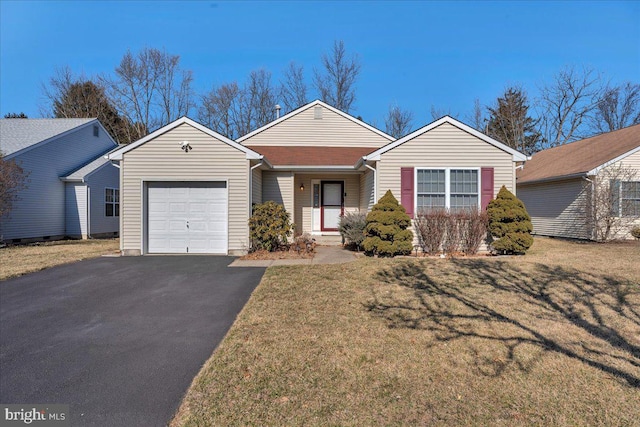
187, 217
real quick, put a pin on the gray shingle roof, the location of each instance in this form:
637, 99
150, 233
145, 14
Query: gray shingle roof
83, 171
17, 134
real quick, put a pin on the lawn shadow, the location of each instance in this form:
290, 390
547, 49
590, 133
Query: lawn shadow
591, 318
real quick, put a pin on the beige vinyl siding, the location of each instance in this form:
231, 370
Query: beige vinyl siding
333, 130
367, 197
161, 159
40, 209
558, 208
278, 186
256, 183
632, 161
444, 147
302, 217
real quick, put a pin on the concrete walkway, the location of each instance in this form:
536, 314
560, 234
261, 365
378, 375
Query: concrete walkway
324, 255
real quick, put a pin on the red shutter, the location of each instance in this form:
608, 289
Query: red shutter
406, 190
486, 180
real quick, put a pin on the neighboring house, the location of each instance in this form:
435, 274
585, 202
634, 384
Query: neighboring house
72, 189
557, 185
186, 188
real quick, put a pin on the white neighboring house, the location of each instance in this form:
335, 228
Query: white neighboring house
72, 189
557, 184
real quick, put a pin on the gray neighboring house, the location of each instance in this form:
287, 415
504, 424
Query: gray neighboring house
72, 189
556, 185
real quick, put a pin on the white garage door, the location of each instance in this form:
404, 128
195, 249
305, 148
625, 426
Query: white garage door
187, 217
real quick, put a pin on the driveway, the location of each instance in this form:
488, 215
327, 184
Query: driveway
118, 339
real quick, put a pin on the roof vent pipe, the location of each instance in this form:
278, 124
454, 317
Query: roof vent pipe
277, 108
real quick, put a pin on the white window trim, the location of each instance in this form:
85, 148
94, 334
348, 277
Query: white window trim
621, 200
447, 184
112, 203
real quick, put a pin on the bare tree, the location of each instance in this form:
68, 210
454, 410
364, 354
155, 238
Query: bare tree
70, 96
150, 89
618, 108
234, 111
398, 121
336, 82
19, 115
293, 90
612, 207
438, 113
477, 118
567, 104
510, 123
12, 179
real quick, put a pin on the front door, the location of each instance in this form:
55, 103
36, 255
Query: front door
332, 205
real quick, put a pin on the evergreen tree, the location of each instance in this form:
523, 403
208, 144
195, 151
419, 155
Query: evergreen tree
510, 223
510, 123
386, 229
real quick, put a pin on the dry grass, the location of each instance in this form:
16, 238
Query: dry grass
284, 254
551, 338
23, 259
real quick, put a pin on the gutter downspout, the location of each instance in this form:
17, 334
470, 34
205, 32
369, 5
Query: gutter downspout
375, 179
89, 212
251, 185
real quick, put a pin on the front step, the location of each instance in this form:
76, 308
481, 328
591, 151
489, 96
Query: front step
328, 240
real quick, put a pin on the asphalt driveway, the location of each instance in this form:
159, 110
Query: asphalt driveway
118, 339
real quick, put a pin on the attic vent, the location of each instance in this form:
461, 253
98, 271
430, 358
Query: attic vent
317, 112
96, 130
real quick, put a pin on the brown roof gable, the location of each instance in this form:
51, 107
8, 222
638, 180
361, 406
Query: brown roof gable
312, 156
578, 158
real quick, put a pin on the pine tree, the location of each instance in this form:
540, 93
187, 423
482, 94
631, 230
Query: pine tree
510, 123
510, 223
386, 229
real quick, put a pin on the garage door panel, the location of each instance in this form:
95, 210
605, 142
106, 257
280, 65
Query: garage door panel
187, 217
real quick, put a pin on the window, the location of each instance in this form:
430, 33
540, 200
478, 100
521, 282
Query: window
112, 202
454, 189
630, 198
96, 130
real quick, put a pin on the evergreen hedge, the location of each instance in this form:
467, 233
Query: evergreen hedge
269, 226
386, 229
509, 223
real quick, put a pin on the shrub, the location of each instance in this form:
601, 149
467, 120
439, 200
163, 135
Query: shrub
386, 229
473, 229
635, 232
431, 226
510, 223
452, 237
269, 226
304, 243
352, 226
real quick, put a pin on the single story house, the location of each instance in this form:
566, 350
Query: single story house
188, 189
558, 185
71, 190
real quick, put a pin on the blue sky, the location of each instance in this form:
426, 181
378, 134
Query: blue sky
414, 54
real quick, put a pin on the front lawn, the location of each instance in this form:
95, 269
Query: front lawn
23, 259
551, 338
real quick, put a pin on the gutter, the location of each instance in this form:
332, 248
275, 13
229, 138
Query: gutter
553, 178
375, 180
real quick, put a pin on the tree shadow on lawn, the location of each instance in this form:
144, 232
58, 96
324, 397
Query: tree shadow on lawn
589, 318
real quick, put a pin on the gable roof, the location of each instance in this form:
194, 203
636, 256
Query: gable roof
19, 134
517, 156
282, 156
84, 171
310, 105
117, 154
581, 158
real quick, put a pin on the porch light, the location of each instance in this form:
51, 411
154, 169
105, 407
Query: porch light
302, 187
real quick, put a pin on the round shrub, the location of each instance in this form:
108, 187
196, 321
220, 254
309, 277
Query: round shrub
635, 232
269, 226
509, 223
351, 227
386, 229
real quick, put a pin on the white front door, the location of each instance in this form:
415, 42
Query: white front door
187, 217
332, 204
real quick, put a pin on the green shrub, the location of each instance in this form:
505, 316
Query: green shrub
351, 227
269, 226
509, 223
386, 230
635, 232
